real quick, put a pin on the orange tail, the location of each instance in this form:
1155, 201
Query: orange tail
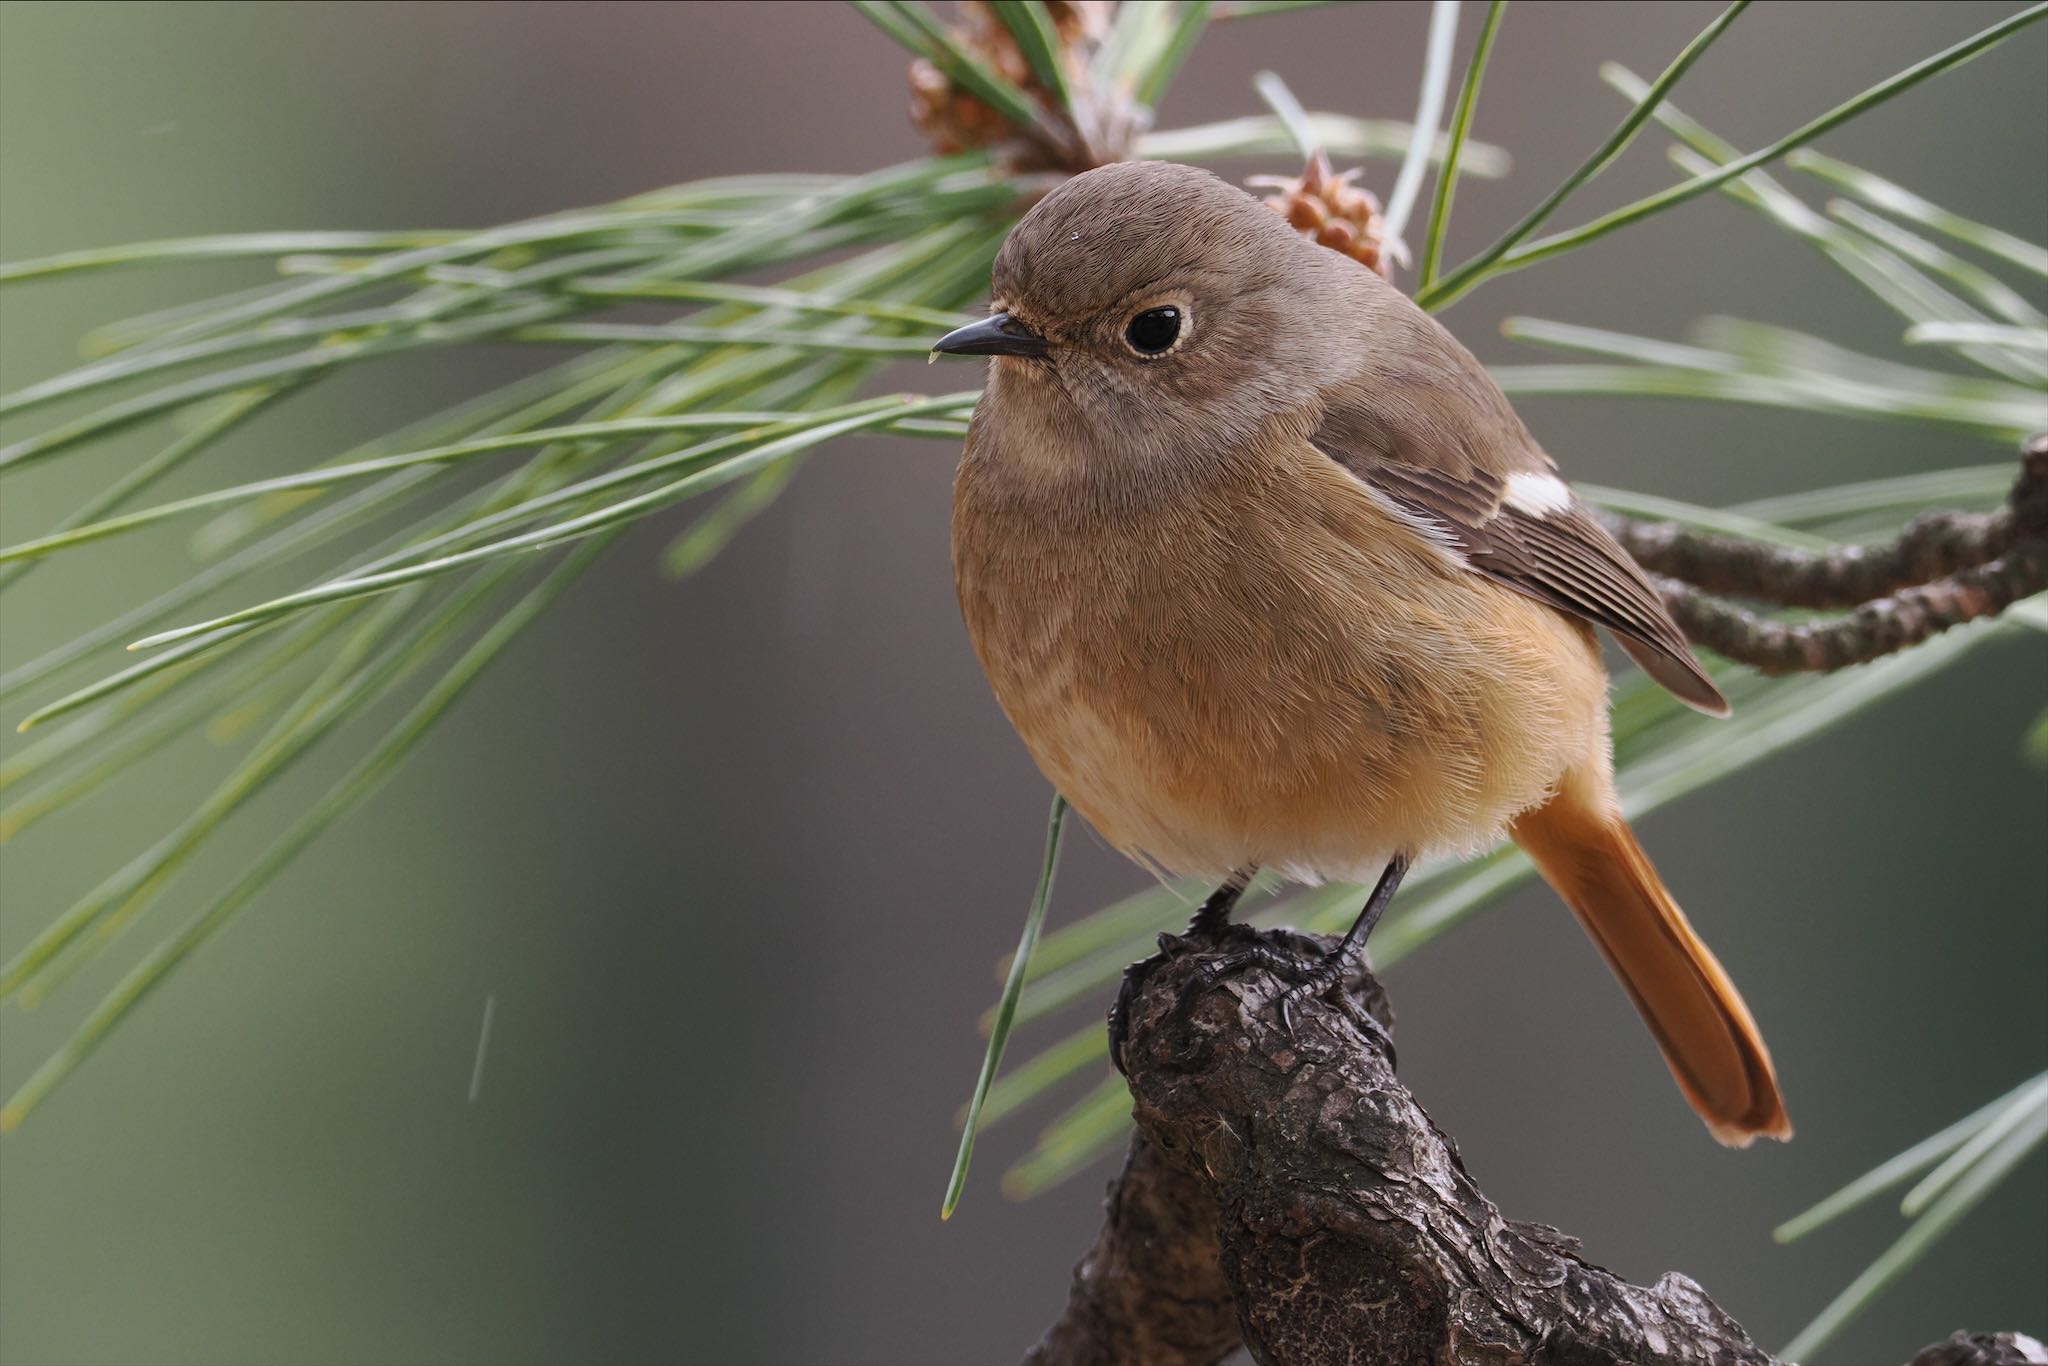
1587, 852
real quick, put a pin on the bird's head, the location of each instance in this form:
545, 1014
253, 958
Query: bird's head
1145, 306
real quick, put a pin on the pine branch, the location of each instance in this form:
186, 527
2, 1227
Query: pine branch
1942, 570
1872, 631
1934, 545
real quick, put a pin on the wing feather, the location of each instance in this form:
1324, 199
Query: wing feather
1551, 550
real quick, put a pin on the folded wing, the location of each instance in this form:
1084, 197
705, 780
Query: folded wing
1524, 528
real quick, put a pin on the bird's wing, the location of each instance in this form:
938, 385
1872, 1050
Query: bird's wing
1500, 507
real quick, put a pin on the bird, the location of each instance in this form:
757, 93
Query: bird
1267, 573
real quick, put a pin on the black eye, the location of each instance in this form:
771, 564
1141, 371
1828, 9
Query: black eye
1153, 331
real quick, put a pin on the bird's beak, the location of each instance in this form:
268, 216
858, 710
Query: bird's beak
996, 335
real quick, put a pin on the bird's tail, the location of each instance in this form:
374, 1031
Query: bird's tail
1588, 853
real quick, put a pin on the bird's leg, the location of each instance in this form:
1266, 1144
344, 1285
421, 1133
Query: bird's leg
1313, 976
1345, 961
1210, 920
1214, 913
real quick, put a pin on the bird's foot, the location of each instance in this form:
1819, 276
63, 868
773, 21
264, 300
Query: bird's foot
1312, 974
1120, 1009
1309, 971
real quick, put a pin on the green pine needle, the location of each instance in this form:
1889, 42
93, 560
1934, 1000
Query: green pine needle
1189, 18
1896, 1171
1006, 1008
1461, 129
1883, 194
364, 779
800, 435
1602, 156
2016, 1126
1031, 26
1978, 334
1286, 108
915, 27
1456, 285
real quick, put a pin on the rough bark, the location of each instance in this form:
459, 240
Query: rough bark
1984, 1349
1151, 1290
1344, 1226
1286, 1193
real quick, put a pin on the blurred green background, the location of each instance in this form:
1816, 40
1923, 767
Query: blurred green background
734, 857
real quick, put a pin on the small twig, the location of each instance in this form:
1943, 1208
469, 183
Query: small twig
1933, 545
1984, 1349
1945, 568
1872, 631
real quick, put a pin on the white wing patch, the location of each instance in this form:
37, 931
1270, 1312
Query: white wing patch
1537, 494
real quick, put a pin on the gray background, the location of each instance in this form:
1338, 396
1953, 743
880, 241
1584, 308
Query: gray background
736, 856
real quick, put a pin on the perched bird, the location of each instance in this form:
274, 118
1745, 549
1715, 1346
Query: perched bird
1267, 573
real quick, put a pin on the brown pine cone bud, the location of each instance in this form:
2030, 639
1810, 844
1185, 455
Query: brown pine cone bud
950, 119
954, 120
1330, 211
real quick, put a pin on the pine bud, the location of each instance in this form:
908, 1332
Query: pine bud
1330, 211
954, 120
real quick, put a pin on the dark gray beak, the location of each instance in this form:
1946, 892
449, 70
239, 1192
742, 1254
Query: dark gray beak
996, 335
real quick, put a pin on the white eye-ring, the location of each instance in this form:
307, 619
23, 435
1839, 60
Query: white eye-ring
1152, 332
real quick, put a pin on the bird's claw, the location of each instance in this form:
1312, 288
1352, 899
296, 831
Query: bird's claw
1126, 992
1311, 976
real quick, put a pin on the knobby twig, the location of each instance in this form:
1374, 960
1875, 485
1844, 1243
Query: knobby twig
1152, 1288
1944, 569
1286, 1193
1984, 1349
1870, 632
1346, 1227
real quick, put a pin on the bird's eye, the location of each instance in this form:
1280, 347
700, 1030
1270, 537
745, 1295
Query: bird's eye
1154, 331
